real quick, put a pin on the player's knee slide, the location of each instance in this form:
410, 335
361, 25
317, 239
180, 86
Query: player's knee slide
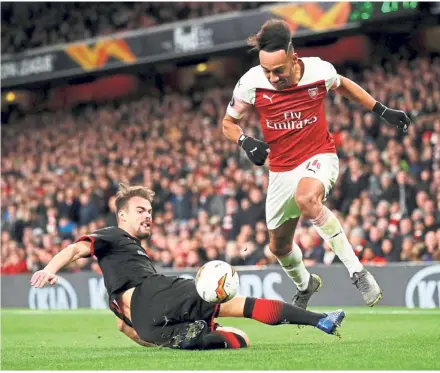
192, 337
218, 339
222, 339
198, 337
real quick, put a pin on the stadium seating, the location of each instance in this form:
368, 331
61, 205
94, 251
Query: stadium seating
38, 24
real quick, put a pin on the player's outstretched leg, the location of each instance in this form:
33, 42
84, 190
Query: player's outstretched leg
309, 196
276, 312
197, 336
289, 256
330, 229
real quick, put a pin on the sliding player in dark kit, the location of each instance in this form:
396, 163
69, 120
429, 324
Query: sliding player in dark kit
158, 310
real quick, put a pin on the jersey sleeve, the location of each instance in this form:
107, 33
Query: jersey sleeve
101, 241
243, 98
332, 80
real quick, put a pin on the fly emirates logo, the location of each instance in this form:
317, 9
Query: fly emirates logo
293, 121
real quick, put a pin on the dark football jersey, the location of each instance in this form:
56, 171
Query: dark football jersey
123, 261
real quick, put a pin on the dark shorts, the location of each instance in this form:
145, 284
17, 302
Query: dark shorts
163, 306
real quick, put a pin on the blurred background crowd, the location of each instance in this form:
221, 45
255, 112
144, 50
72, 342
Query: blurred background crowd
61, 168
39, 24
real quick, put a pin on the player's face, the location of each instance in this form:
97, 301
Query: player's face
279, 67
139, 217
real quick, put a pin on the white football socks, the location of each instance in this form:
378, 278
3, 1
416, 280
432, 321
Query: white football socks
294, 267
330, 229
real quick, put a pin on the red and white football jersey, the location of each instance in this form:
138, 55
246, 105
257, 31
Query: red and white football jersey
292, 120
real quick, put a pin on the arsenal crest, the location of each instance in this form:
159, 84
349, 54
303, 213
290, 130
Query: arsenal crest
313, 92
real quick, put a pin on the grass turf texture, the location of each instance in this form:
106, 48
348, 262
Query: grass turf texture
381, 338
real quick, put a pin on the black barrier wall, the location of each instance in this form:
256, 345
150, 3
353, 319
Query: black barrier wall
403, 285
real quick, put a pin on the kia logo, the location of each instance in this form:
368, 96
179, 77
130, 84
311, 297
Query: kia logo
60, 296
423, 290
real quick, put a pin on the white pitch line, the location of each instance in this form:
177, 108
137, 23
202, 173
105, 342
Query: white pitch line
100, 312
397, 312
434, 311
80, 312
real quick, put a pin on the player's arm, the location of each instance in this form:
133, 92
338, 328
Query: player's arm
256, 150
354, 92
66, 256
131, 333
231, 128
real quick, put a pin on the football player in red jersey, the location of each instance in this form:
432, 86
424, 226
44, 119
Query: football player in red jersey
288, 92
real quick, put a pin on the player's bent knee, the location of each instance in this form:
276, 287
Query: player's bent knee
310, 204
303, 200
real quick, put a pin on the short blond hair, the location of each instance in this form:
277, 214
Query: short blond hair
126, 192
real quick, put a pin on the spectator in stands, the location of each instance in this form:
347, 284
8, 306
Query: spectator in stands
312, 253
354, 182
391, 253
390, 192
369, 257
87, 210
357, 239
166, 259
432, 245
406, 193
230, 223
405, 231
261, 240
182, 202
233, 255
409, 250
375, 240
66, 228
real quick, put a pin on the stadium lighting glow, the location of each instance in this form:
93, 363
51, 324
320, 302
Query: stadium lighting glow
201, 67
10, 97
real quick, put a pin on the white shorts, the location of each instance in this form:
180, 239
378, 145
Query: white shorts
280, 203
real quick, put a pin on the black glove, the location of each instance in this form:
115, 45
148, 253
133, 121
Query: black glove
396, 117
256, 150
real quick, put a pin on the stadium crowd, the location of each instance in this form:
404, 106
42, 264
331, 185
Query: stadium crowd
38, 24
61, 171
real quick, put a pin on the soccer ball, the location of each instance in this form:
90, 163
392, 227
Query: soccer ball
217, 282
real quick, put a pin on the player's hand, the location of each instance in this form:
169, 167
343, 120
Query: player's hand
41, 278
256, 150
395, 117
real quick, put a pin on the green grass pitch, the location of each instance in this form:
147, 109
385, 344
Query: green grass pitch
379, 338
